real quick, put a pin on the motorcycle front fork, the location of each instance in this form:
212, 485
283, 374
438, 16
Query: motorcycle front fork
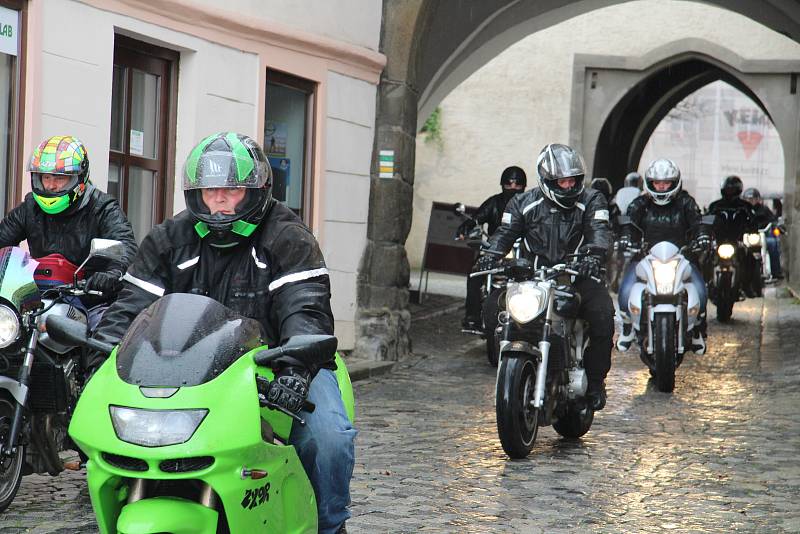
23, 379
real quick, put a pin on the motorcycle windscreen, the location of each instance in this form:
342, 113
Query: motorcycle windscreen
184, 340
17, 285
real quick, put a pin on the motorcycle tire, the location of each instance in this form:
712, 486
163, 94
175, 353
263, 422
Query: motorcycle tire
517, 421
10, 467
665, 351
575, 423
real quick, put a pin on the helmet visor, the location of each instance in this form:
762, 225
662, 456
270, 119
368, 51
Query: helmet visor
224, 169
53, 184
662, 185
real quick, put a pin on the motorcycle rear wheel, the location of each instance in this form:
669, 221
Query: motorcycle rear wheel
517, 419
665, 351
10, 467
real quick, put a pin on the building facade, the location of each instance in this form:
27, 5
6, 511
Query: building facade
141, 81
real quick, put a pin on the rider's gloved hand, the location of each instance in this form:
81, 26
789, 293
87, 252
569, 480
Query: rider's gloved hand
289, 389
108, 282
464, 229
486, 262
589, 266
702, 242
625, 242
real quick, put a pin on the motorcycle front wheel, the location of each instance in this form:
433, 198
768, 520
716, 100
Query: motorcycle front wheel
665, 349
517, 419
10, 466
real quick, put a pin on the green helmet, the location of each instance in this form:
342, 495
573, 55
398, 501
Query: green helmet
227, 160
60, 155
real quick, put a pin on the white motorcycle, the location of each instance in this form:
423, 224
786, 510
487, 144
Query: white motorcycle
664, 308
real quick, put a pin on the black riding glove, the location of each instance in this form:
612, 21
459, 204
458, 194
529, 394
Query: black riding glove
289, 390
486, 262
589, 266
464, 228
702, 242
107, 282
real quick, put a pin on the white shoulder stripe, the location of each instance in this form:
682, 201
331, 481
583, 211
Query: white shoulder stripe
297, 277
580, 206
147, 286
532, 205
188, 263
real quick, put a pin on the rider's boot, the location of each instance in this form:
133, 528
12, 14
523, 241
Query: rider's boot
627, 336
596, 394
699, 337
471, 324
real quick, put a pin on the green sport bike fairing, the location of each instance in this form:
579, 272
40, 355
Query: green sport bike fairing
178, 432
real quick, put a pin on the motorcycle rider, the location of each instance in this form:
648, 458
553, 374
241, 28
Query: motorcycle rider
64, 212
632, 188
236, 244
763, 216
513, 181
665, 213
741, 220
558, 218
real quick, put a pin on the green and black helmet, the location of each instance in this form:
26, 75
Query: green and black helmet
227, 160
60, 155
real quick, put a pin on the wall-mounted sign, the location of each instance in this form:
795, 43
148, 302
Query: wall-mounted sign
9, 28
386, 164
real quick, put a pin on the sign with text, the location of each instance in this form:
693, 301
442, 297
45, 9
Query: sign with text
9, 29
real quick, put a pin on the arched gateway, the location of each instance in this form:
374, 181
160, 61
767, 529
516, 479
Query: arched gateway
433, 46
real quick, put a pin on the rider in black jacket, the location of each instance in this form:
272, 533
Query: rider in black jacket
665, 213
558, 218
735, 217
64, 212
513, 181
239, 246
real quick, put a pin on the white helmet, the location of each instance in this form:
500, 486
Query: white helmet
662, 170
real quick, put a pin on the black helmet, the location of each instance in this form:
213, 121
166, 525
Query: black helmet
633, 179
662, 170
731, 187
604, 186
513, 174
554, 163
227, 160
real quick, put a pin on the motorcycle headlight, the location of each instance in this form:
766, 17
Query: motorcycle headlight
9, 326
752, 240
665, 276
525, 301
726, 251
155, 428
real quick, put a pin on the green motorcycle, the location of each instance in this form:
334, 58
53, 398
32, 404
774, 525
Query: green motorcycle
179, 435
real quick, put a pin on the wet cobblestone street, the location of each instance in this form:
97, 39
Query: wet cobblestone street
718, 455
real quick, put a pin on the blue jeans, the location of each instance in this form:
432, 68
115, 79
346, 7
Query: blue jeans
629, 278
774, 251
326, 448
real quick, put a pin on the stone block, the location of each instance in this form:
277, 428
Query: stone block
391, 204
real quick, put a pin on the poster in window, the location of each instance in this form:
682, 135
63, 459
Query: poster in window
280, 177
275, 134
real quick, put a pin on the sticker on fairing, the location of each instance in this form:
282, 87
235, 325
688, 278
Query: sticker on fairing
506, 218
601, 214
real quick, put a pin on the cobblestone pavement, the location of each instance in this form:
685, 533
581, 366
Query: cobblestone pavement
717, 455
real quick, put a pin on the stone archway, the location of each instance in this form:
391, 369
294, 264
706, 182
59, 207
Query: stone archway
612, 125
432, 46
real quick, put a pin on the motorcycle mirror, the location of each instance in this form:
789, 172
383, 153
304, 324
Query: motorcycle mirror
459, 208
70, 332
707, 219
106, 248
311, 349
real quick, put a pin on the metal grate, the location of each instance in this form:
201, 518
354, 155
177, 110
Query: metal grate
185, 465
125, 462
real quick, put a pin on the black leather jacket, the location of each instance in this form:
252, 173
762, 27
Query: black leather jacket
733, 218
677, 222
550, 231
490, 212
277, 276
70, 235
